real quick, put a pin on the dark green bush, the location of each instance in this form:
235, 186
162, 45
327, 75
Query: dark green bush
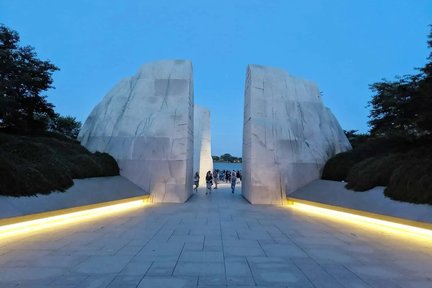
85, 166
33, 182
372, 172
404, 166
338, 167
412, 182
108, 164
38, 164
9, 182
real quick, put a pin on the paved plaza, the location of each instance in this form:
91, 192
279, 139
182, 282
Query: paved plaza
214, 241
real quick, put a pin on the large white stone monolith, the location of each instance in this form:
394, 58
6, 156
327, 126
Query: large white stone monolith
288, 135
203, 161
146, 123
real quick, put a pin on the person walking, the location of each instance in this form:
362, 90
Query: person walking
216, 177
196, 181
233, 181
209, 182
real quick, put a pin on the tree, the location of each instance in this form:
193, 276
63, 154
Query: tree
22, 79
393, 112
424, 98
66, 125
355, 138
403, 107
227, 157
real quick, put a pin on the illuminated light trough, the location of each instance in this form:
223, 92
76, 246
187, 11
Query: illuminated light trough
35, 222
393, 225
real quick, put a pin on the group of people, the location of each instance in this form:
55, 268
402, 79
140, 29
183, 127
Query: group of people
214, 178
226, 175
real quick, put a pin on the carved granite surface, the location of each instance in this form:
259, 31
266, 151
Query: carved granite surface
146, 123
203, 161
288, 134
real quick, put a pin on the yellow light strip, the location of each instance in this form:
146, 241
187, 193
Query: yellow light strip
365, 221
62, 217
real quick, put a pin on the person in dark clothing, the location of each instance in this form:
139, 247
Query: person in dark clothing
216, 177
209, 182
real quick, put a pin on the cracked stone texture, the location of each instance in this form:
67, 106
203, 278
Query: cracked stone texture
288, 134
203, 161
146, 123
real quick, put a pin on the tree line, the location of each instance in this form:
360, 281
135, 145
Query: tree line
23, 79
397, 151
227, 158
400, 107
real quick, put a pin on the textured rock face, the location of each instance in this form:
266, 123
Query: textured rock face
203, 161
288, 135
146, 123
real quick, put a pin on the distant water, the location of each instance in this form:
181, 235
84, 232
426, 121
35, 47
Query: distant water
227, 166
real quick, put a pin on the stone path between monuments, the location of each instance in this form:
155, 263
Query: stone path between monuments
214, 241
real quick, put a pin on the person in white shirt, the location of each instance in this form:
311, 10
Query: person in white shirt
196, 181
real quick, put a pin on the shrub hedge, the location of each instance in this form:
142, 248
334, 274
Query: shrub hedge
31, 165
372, 172
338, 167
404, 166
412, 180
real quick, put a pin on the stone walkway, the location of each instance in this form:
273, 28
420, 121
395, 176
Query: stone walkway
214, 241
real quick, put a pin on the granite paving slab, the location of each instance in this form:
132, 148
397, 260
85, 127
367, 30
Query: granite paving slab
219, 240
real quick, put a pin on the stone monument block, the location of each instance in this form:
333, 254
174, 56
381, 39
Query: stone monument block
146, 123
203, 161
288, 135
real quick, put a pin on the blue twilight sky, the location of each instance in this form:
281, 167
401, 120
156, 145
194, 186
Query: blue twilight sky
341, 45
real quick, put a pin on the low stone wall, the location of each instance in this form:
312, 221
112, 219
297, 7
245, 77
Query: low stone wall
83, 192
373, 201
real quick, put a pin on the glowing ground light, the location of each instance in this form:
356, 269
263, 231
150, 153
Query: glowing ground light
365, 221
36, 222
